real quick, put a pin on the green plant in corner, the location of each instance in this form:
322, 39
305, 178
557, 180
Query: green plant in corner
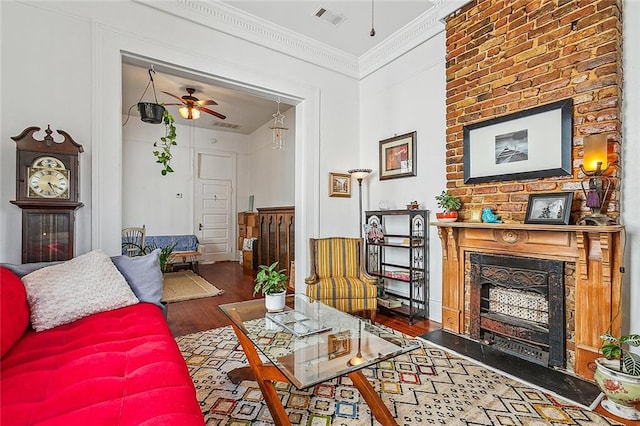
165, 254
617, 348
269, 280
448, 202
163, 155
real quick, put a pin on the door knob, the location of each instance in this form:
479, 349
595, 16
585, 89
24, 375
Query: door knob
199, 227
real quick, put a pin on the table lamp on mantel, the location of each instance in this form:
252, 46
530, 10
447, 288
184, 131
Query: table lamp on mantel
359, 174
595, 185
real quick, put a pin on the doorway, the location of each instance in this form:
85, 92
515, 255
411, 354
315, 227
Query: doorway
215, 205
106, 171
202, 193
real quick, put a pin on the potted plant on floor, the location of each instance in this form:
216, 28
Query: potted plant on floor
451, 204
618, 375
273, 285
163, 257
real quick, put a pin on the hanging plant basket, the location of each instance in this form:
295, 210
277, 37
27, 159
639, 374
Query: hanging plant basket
151, 113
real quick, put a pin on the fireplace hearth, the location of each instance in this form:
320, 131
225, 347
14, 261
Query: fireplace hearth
517, 304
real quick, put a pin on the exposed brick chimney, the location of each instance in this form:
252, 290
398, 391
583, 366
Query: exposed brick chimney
509, 56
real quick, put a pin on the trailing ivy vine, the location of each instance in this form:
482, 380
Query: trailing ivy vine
163, 155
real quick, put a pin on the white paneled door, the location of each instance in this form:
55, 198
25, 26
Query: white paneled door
214, 206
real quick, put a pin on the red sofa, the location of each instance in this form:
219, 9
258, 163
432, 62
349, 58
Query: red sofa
119, 367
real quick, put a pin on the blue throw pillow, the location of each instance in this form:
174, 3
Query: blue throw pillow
143, 275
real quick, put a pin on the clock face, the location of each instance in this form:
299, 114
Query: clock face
48, 183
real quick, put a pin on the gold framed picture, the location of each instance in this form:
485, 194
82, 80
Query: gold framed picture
339, 185
339, 344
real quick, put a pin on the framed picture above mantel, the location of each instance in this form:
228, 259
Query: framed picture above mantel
527, 144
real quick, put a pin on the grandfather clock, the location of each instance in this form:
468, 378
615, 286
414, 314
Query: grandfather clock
47, 187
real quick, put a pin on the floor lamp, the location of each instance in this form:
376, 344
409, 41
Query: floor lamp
359, 174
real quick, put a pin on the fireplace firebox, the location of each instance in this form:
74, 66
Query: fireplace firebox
517, 305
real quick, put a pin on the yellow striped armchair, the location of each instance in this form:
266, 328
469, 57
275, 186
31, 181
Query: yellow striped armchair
338, 277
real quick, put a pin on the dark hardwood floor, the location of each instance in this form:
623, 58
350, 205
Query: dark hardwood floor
196, 315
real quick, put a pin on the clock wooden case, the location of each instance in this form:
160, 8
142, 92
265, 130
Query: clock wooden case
47, 191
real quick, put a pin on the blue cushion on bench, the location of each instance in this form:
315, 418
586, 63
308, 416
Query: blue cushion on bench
183, 242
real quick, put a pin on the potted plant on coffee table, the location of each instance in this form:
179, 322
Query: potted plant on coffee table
273, 285
451, 204
618, 375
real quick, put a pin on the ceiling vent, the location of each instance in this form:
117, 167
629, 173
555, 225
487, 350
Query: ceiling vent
329, 16
225, 125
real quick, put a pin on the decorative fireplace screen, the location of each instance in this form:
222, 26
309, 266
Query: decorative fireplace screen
517, 304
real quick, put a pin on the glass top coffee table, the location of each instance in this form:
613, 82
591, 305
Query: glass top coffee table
309, 343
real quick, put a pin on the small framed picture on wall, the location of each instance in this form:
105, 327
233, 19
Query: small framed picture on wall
339, 185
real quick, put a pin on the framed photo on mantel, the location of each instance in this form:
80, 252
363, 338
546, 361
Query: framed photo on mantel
524, 145
553, 208
398, 156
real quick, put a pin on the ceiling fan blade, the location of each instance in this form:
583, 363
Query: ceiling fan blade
178, 98
217, 114
173, 104
209, 102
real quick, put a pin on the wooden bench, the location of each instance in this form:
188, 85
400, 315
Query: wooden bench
186, 250
184, 257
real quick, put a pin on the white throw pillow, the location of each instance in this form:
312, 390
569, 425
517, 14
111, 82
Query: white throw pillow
82, 286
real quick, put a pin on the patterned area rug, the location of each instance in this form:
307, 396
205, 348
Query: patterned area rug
186, 285
426, 386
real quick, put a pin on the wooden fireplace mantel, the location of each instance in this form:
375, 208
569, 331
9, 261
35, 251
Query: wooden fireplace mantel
596, 251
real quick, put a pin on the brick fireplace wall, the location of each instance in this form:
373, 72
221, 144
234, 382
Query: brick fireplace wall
507, 56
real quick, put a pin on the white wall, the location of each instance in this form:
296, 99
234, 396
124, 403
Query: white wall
630, 205
150, 198
71, 78
43, 82
405, 96
271, 172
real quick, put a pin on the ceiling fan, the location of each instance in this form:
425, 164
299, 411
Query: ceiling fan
191, 106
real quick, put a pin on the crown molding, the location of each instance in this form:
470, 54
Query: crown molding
416, 32
234, 22
408, 37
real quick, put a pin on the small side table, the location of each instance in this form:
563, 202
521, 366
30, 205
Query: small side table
188, 258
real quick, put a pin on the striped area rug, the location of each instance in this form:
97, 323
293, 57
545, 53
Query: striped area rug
426, 386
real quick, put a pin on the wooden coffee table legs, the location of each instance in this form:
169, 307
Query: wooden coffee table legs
265, 374
371, 397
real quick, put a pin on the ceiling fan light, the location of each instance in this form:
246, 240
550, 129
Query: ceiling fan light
189, 113
184, 112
